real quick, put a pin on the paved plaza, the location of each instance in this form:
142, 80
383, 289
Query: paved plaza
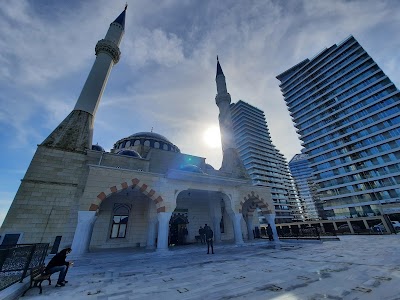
356, 267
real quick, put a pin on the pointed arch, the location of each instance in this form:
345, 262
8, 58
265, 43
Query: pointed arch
252, 201
136, 184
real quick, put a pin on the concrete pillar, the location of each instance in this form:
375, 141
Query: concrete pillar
322, 227
151, 232
163, 230
366, 224
83, 232
334, 226
237, 218
350, 227
249, 224
271, 220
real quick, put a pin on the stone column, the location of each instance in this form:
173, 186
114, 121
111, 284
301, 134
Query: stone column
83, 232
249, 224
151, 232
215, 216
237, 227
271, 220
163, 230
217, 230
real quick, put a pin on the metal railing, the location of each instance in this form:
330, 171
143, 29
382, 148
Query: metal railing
304, 233
16, 260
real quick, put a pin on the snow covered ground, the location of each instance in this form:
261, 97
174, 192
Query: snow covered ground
356, 267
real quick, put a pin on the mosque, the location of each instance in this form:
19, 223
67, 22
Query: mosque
140, 194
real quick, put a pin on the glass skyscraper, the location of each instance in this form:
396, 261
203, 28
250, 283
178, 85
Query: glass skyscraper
302, 174
264, 163
347, 112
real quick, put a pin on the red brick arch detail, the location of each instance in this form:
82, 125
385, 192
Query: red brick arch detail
134, 184
257, 201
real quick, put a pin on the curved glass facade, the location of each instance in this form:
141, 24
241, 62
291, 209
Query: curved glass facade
347, 112
264, 163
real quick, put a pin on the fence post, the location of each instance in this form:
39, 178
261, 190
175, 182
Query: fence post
28, 262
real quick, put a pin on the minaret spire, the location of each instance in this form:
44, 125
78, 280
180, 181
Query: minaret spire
231, 161
75, 133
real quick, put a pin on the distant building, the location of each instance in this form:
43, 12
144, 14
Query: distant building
302, 175
264, 163
347, 112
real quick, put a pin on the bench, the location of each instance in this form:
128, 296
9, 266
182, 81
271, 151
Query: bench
37, 277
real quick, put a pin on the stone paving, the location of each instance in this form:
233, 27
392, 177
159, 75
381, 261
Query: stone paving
356, 268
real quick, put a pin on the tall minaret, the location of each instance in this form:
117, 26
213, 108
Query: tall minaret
231, 161
75, 133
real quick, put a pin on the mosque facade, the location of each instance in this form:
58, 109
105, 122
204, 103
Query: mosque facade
143, 193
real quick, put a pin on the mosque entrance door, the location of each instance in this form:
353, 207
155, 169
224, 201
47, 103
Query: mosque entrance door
178, 229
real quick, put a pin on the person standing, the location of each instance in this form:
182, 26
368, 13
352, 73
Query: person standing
202, 235
209, 238
270, 233
58, 264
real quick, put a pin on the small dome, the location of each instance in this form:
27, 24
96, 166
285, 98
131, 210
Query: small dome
132, 153
98, 148
191, 168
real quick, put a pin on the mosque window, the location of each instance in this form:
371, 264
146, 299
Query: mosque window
156, 145
165, 147
120, 220
120, 146
136, 143
147, 143
128, 143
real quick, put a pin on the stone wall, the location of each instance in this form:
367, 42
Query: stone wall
46, 202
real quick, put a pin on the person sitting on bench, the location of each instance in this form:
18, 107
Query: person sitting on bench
58, 264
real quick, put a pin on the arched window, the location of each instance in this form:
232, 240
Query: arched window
147, 143
120, 220
156, 145
137, 143
165, 147
128, 143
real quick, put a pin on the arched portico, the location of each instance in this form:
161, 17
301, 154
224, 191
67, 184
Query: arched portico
153, 208
250, 204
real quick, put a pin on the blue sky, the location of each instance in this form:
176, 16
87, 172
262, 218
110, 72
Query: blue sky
165, 78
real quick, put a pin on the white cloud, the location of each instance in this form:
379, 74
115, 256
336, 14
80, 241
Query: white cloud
165, 78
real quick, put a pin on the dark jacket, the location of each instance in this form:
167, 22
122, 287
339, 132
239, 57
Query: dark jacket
58, 260
209, 234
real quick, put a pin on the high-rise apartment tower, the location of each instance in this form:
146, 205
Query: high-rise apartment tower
264, 163
347, 112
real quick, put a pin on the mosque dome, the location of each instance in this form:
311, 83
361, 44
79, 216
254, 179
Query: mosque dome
191, 168
130, 152
98, 148
148, 139
151, 135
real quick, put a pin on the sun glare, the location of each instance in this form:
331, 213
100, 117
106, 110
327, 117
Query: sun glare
212, 137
